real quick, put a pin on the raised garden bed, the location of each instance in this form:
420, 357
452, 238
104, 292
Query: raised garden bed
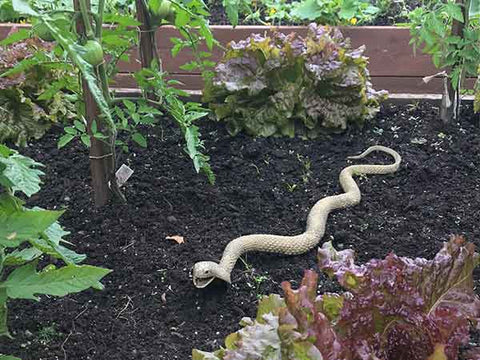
393, 64
150, 308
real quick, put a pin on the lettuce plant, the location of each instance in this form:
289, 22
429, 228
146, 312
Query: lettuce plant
287, 84
31, 99
392, 309
30, 235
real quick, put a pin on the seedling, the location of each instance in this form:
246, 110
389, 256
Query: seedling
291, 187
48, 333
306, 168
257, 279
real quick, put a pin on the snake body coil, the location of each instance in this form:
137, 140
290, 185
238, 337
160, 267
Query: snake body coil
204, 272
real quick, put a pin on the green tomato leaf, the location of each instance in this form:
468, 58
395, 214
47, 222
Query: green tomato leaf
20, 257
19, 226
86, 140
64, 140
21, 172
130, 105
70, 130
454, 10
139, 139
25, 282
50, 244
94, 126
80, 126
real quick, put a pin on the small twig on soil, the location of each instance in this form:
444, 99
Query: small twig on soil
80, 313
168, 202
63, 345
127, 246
71, 332
125, 307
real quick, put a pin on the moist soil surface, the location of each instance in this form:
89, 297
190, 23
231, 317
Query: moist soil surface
150, 308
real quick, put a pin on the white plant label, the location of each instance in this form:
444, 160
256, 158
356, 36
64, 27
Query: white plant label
123, 174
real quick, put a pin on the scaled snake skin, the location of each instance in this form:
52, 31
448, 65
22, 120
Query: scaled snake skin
204, 272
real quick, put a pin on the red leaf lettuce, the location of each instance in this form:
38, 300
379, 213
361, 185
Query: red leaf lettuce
393, 309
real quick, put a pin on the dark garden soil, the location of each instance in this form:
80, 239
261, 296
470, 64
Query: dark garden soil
150, 308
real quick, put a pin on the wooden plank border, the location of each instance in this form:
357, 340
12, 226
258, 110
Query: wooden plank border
393, 64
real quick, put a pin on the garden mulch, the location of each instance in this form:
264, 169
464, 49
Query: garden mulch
150, 308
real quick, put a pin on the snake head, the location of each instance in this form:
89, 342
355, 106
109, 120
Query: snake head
204, 272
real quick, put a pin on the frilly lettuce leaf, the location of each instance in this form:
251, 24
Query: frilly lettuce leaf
286, 84
27, 107
410, 307
394, 309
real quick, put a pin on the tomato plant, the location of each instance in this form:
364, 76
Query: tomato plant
93, 51
30, 235
449, 32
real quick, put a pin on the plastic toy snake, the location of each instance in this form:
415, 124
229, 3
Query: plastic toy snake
204, 272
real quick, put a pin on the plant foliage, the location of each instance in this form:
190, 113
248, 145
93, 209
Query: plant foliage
26, 235
95, 55
431, 30
335, 12
31, 96
184, 114
282, 85
325, 12
395, 308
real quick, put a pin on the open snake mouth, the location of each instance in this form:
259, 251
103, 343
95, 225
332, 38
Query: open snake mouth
202, 282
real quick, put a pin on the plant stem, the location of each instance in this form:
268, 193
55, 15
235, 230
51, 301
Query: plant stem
86, 19
101, 163
101, 9
2, 258
146, 39
102, 73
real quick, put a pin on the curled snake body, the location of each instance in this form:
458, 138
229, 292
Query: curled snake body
204, 272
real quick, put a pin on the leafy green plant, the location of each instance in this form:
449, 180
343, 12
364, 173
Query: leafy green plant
396, 308
184, 114
33, 91
450, 34
7, 14
265, 12
191, 20
282, 85
278, 12
93, 53
335, 12
235, 7
30, 235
